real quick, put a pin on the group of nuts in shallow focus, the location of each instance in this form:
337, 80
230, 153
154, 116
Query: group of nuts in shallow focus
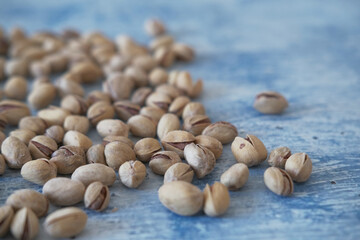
148, 102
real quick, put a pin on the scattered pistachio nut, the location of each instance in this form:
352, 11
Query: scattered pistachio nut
171, 91
16, 88
55, 132
15, 152
53, 115
159, 100
179, 172
68, 158
109, 127
201, 159
158, 76
24, 135
132, 173
193, 108
95, 154
94, 172
74, 104
97, 196
299, 167
77, 123
176, 141
145, 148
154, 27
153, 113
225, 132
6, 216
117, 153
235, 177
140, 95
13, 111
39, 171
279, 156
250, 150
32, 123
118, 86
183, 52
99, 111
162, 160
2, 168
142, 126
126, 109
278, 181
42, 95
216, 199
167, 123
177, 106
109, 139
96, 96
210, 143
42, 147
270, 102
25, 224
196, 124
75, 138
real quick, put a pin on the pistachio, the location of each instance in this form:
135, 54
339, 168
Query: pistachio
3, 122
6, 216
96, 96
29, 198
161, 161
173, 76
181, 197
97, 196
126, 109
16, 67
278, 181
196, 124
159, 100
249, 150
77, 123
197, 89
299, 167
119, 86
140, 95
161, 41
145, 148
168, 122
225, 132
65, 222
138, 76
74, 104
15, 152
177, 141
210, 143
235, 177
99, 111
58, 62
23, 135
158, 76
201, 159
154, 27
63, 191
117, 153
109, 139
68, 158
16, 88
39, 171
25, 224
154, 113
279, 156
183, 52
193, 108
178, 105
35, 124
87, 71
53, 115
56, 133
270, 102
132, 173
142, 126
39, 81
40, 68
164, 56
179, 172
76, 138
13, 111
119, 62
184, 82
42, 147
2, 168
68, 85
216, 199
95, 154
169, 90
93, 173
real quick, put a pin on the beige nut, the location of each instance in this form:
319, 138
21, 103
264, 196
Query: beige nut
278, 181
235, 177
6, 216
270, 103
250, 150
154, 113
132, 173
74, 104
154, 27
179, 172
25, 224
140, 95
109, 139
117, 153
178, 105
29, 198
167, 123
15, 152
225, 132
93, 173
75, 138
299, 167
39, 171
142, 126
53, 115
210, 143
23, 135
176, 141
68, 158
16, 88
216, 199
13, 111
145, 148
95, 154
108, 127
279, 156
193, 108
97, 196
42, 147
77, 123
55, 132
99, 111
161, 161
196, 124
32, 123
201, 159
126, 109
42, 95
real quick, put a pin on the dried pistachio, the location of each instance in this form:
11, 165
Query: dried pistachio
99, 111
119, 62
126, 109
201, 159
58, 62
40, 68
13, 111
75, 138
35, 124
117, 153
169, 90
2, 137
25, 224
142, 126
96, 96
114, 127
95, 154
132, 173
178, 105
39, 171
88, 71
6, 216
15, 152
16, 67
118, 86
196, 124
109, 139
161, 41
16, 88
145, 62
97, 196
176, 141
138, 76
158, 76
225, 132
23, 135
168, 122
69, 85
193, 108
179, 172
68, 158
53, 115
39, 81
299, 167
161, 161
154, 113
249, 150
29, 198
55, 132
93, 173
183, 52
235, 177
2, 169
74, 104
184, 82
197, 89
278, 181
279, 156
216, 199
140, 95
164, 56
154, 27
210, 143
270, 102
42, 147
145, 148
77, 123
159, 100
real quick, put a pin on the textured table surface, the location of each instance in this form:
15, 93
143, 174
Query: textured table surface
307, 50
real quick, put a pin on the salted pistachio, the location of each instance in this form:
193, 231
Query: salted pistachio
58, 62
183, 52
181, 197
15, 152
96, 96
154, 113
94, 172
140, 95
68, 84
299, 167
3, 122
77, 123
169, 90
132, 173
223, 131
184, 82
164, 56
177, 141
193, 108
117, 153
32, 123
99, 111
173, 75
42, 95
144, 62
177, 106
2, 169
40, 80
42, 147
210, 143
154, 27
114, 127
196, 124
161, 161
279, 156
29, 198
160, 100
88, 71
23, 135
126, 109
196, 89
145, 148
138, 76
25, 224
62, 191
6, 216
55, 132
68, 158
278, 181
95, 154
53, 115
250, 150
118, 86
158, 76
142, 126
74, 104
201, 159
13, 111
270, 102
66, 222
163, 41
119, 62
40, 68
235, 177
39, 171
126, 140
16, 88
167, 123
179, 172
75, 138
216, 199
16, 67
97, 196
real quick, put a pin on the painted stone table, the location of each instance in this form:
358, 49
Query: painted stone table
307, 50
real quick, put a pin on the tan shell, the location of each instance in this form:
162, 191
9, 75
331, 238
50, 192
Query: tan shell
29, 198
94, 172
75, 138
161, 161
250, 150
179, 172
97, 196
6, 216
210, 143
142, 126
145, 148
299, 167
235, 177
168, 122
216, 199
14, 111
201, 159
278, 181
108, 127
176, 141
117, 153
39, 171
25, 224
15, 152
132, 173
225, 132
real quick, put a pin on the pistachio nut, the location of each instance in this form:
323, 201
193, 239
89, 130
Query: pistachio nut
210, 143
74, 104
68, 158
94, 172
160, 100
154, 113
42, 147
15, 152
216, 199
77, 123
145, 148
154, 27
109, 139
6, 216
95, 154
39, 171
53, 115
279, 156
75, 138
97, 196
161, 161
178, 105
299, 167
249, 150
42, 95
278, 181
179, 172
132, 173
117, 153
29, 198
140, 95
25, 224
126, 109
16, 88
225, 132
193, 108
99, 111
167, 123
96, 96
13, 111
55, 132
24, 135
115, 127
142, 126
270, 102
118, 86
32, 123
196, 124
158, 76
235, 177
201, 159
177, 141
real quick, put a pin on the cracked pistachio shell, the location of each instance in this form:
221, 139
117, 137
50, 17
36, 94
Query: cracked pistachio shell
66, 222
77, 123
154, 113
181, 197
270, 103
42, 95
161, 41
225, 132
118, 86
63, 191
97, 196
67, 84
201, 159
39, 171
109, 139
114, 127
158, 76
117, 153
95, 172
42, 147
24, 135
279, 156
197, 89
25, 224
145, 148
96, 96
140, 95
142, 126
6, 216
216, 199
99, 111
210, 143
184, 82
250, 150
167, 123
68, 158
2, 164
164, 56
176, 141
154, 27
235, 177
13, 111
95, 154
196, 124
31, 199
32, 123
179, 172
278, 181
193, 108
169, 90
53, 115
55, 132
159, 100
15, 152
145, 62
161, 161
15, 88
138, 75
132, 173
177, 106
299, 167
75, 138
87, 71
126, 109
74, 104
183, 52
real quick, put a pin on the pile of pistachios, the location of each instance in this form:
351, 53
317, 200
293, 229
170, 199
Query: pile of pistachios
139, 97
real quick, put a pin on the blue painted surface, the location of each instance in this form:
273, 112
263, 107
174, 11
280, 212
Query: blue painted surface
307, 50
